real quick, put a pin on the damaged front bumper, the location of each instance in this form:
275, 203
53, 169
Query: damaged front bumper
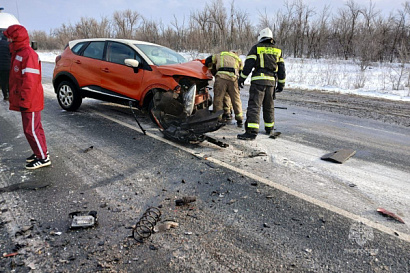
181, 119
192, 129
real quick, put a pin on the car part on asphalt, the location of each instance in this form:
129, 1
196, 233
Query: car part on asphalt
145, 225
216, 142
339, 156
135, 117
83, 219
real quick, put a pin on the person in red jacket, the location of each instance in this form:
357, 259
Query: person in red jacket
26, 93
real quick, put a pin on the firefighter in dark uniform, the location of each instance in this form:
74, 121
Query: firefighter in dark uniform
227, 66
269, 67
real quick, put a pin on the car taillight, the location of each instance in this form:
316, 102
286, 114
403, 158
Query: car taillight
58, 58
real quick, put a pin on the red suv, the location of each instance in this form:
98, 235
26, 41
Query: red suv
140, 74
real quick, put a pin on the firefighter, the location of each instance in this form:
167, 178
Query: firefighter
227, 66
269, 67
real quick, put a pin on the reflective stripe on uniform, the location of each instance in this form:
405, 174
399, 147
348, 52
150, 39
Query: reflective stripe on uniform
231, 74
268, 50
239, 115
253, 125
282, 81
269, 125
30, 70
251, 57
262, 76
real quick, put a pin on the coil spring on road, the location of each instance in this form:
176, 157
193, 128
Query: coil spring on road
145, 225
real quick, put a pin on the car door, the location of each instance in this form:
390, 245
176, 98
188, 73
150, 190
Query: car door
86, 65
118, 77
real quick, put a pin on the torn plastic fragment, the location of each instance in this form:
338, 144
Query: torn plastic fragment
83, 219
389, 214
339, 156
166, 226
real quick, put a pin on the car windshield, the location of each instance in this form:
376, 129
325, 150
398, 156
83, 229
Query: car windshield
160, 55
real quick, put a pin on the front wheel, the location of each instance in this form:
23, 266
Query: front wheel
68, 96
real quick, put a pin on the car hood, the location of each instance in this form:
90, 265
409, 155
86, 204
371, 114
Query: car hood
193, 69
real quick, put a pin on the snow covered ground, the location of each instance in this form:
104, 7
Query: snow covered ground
389, 81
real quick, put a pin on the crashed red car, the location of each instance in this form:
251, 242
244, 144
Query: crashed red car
145, 75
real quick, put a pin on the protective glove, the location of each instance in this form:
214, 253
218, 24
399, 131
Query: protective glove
240, 82
279, 88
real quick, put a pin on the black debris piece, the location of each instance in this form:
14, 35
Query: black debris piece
339, 156
185, 200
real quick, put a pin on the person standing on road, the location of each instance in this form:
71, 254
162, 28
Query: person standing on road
4, 66
228, 66
26, 93
269, 67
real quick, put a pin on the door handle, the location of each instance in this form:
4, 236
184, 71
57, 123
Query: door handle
77, 61
106, 70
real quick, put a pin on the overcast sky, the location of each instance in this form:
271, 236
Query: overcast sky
51, 14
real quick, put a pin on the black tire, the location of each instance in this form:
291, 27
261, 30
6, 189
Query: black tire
68, 96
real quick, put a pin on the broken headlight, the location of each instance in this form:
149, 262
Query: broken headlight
189, 100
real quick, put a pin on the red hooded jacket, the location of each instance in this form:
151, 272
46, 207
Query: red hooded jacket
25, 88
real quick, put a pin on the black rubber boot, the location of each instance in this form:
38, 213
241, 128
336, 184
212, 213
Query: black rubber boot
239, 123
226, 116
269, 131
247, 136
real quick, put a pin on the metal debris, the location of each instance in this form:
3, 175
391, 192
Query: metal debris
255, 154
216, 142
145, 225
339, 156
83, 219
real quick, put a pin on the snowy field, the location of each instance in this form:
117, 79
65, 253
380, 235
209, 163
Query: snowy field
388, 81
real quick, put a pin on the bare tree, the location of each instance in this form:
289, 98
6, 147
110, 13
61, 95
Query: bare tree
218, 17
125, 23
64, 34
345, 27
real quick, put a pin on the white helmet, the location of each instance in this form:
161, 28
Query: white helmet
264, 34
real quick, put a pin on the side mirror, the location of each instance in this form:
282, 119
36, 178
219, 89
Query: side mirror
132, 63
34, 45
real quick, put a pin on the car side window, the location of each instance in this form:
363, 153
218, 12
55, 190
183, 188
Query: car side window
94, 50
77, 48
117, 53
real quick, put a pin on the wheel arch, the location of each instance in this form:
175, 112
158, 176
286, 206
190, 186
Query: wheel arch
64, 76
150, 95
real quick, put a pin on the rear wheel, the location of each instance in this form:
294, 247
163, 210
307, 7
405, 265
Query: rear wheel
68, 96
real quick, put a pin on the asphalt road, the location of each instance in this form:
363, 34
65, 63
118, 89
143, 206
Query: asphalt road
262, 206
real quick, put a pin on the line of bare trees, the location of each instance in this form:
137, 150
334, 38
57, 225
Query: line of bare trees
356, 32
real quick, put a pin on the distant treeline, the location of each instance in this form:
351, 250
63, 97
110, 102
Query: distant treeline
351, 32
